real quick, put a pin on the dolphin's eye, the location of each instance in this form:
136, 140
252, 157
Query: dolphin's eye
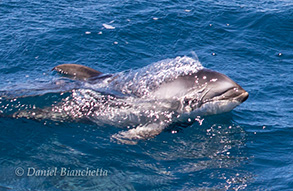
186, 101
190, 101
194, 101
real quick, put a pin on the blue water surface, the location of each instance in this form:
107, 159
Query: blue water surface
249, 148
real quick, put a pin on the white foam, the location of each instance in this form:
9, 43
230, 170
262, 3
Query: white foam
142, 81
108, 26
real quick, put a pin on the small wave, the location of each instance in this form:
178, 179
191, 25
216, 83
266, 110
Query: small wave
142, 81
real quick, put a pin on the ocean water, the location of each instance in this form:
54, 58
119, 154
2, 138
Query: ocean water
249, 148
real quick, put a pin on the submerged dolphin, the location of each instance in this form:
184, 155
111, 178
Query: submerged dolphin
147, 100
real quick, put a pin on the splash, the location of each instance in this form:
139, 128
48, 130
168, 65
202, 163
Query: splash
143, 81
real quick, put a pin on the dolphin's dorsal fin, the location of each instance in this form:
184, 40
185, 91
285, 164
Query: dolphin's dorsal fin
77, 71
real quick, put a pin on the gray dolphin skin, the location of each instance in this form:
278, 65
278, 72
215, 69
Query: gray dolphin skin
210, 87
146, 100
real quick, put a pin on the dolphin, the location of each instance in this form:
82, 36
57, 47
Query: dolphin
146, 101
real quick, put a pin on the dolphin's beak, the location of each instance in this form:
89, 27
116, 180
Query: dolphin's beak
243, 96
220, 87
236, 93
